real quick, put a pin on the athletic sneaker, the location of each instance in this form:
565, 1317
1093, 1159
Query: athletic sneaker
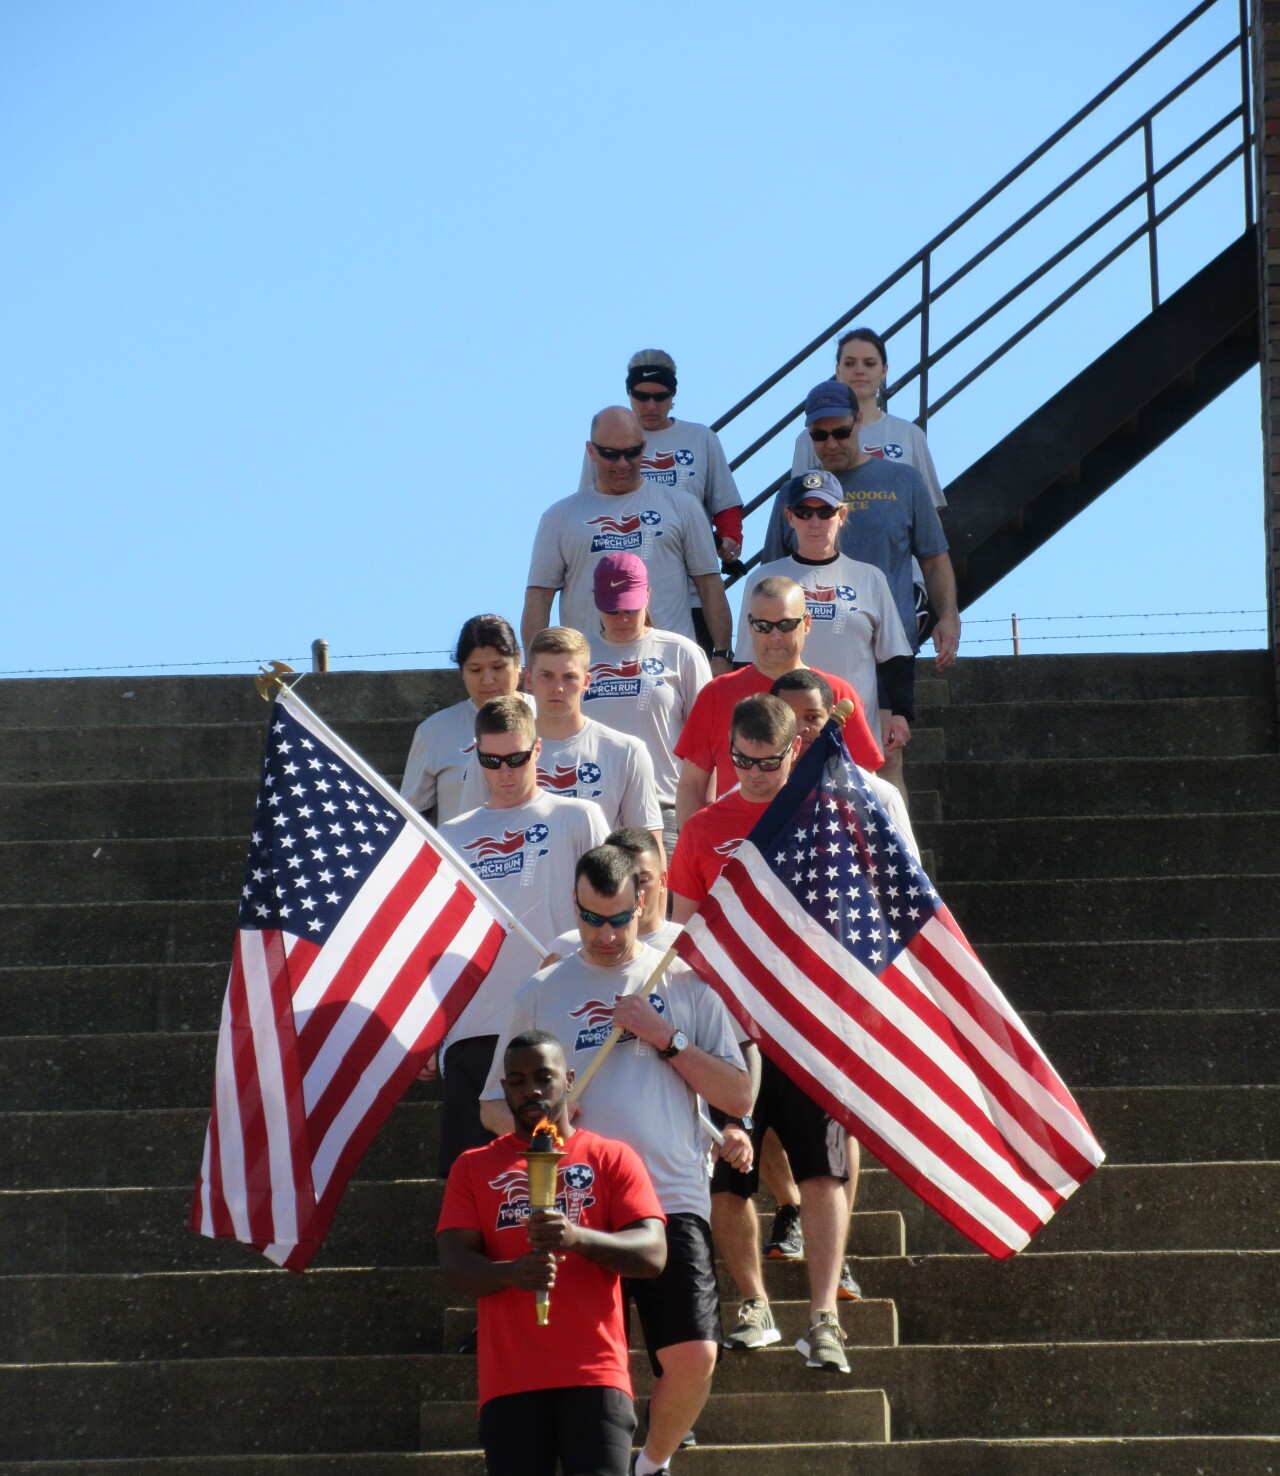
755, 1327
824, 1346
786, 1239
849, 1290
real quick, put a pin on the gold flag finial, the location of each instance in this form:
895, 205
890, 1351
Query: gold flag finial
270, 677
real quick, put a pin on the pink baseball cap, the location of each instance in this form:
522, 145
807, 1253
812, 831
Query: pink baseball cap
622, 583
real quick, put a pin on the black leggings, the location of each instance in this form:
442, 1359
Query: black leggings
587, 1429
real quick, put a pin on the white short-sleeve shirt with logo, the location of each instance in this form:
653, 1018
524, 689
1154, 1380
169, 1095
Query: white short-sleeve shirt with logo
636, 1095
646, 688
666, 529
526, 856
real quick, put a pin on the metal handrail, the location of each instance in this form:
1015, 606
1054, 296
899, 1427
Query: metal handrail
923, 260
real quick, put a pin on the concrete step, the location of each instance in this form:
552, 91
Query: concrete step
221, 1406
1017, 788
111, 999
1142, 1048
261, 1313
1126, 676
119, 932
1243, 1455
829, 1415
1117, 729
344, 696
1117, 909
177, 750
201, 868
1132, 1207
136, 1231
1234, 973
123, 809
1048, 848
106, 1148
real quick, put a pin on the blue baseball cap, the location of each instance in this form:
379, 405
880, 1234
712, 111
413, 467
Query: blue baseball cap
829, 400
821, 486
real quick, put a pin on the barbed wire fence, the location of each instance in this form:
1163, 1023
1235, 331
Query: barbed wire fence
1013, 627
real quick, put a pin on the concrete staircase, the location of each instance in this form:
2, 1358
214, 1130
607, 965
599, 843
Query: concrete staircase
1110, 844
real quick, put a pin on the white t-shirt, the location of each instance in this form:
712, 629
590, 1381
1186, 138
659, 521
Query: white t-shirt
598, 764
526, 856
438, 758
855, 621
636, 1095
890, 438
646, 688
666, 529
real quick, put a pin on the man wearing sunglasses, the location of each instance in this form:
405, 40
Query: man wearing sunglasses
523, 843
622, 512
764, 744
855, 629
891, 519
680, 454
779, 623
680, 1043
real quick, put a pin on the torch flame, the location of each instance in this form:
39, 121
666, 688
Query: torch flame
546, 1129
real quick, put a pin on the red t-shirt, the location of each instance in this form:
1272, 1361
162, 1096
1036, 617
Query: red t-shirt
705, 738
707, 840
602, 1185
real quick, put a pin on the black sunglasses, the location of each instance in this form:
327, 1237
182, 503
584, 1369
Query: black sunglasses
842, 434
612, 453
651, 397
763, 627
598, 919
769, 765
826, 513
512, 760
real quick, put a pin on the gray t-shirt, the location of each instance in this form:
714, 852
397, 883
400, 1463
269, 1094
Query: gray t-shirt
890, 519
636, 1095
665, 528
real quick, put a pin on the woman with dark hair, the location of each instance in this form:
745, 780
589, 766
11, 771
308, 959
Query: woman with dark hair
862, 362
488, 656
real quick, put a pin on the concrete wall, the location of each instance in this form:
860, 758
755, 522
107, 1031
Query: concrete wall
1266, 103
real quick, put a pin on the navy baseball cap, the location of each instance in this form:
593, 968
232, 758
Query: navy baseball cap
829, 400
821, 486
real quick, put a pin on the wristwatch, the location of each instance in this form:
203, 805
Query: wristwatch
723, 655
679, 1042
746, 1122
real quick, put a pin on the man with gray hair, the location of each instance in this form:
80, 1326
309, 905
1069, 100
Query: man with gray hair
622, 512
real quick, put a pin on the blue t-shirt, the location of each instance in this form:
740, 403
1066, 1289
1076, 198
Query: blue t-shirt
891, 518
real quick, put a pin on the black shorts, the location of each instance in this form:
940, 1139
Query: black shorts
586, 1429
683, 1304
813, 1142
466, 1069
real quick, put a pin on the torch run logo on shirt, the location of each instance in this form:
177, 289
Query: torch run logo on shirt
573, 1194
623, 678
492, 856
729, 848
625, 534
595, 1021
564, 779
821, 600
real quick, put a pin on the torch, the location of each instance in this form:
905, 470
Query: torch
541, 1161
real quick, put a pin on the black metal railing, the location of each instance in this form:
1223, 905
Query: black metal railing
929, 354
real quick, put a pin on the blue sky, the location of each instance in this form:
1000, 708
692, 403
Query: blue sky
306, 307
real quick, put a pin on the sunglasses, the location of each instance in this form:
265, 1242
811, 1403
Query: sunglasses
496, 760
769, 765
825, 512
612, 453
651, 397
598, 919
763, 627
843, 434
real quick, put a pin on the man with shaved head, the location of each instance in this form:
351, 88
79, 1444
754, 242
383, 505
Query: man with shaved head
625, 513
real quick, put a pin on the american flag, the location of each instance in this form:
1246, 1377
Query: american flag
357, 947
832, 949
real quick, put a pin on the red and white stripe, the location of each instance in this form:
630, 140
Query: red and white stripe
925, 1063
317, 1044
